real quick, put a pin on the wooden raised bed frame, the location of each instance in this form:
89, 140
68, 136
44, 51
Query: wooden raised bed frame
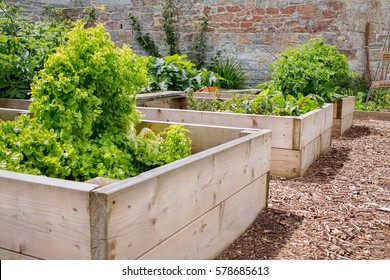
343, 115
297, 142
189, 209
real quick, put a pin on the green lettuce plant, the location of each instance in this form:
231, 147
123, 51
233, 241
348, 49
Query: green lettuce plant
84, 115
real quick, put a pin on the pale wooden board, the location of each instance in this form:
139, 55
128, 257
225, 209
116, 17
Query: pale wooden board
285, 163
173, 102
310, 153
346, 123
44, 217
10, 255
14, 103
312, 125
147, 209
326, 141
8, 114
372, 115
217, 229
203, 137
344, 107
282, 127
159, 95
340, 126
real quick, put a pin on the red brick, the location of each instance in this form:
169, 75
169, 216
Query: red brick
256, 18
272, 10
246, 24
233, 9
289, 10
220, 18
307, 10
328, 14
259, 11
221, 9
300, 29
234, 24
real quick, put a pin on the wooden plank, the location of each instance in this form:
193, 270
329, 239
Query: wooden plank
11, 255
326, 141
173, 103
217, 229
44, 217
159, 95
285, 163
15, 103
203, 137
372, 115
310, 153
312, 125
147, 209
346, 123
343, 107
340, 126
282, 127
8, 114
348, 106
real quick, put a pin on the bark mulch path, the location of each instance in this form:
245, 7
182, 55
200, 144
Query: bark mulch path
340, 209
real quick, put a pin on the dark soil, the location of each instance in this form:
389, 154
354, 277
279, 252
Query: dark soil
340, 208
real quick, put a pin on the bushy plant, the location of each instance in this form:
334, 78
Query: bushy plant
84, 115
311, 68
175, 72
24, 46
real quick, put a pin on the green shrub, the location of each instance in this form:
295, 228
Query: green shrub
312, 68
85, 116
175, 72
24, 47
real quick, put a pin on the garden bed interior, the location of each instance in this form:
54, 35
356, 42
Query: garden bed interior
192, 208
297, 142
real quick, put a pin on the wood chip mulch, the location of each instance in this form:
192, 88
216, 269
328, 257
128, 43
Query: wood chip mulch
340, 208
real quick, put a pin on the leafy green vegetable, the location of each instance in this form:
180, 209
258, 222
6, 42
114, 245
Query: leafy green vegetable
265, 103
312, 68
85, 116
175, 72
24, 47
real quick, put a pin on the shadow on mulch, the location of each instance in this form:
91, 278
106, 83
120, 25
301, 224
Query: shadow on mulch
327, 166
265, 238
358, 131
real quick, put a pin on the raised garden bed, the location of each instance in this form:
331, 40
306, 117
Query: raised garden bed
372, 115
297, 142
343, 115
189, 209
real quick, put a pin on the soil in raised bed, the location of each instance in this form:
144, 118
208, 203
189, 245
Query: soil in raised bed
340, 208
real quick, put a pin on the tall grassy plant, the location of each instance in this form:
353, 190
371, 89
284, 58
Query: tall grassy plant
230, 73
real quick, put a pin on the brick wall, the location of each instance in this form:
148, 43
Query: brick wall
253, 31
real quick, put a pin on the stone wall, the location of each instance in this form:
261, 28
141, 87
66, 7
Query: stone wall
253, 31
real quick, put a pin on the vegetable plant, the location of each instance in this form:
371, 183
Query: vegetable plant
311, 68
175, 72
265, 103
84, 115
24, 47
